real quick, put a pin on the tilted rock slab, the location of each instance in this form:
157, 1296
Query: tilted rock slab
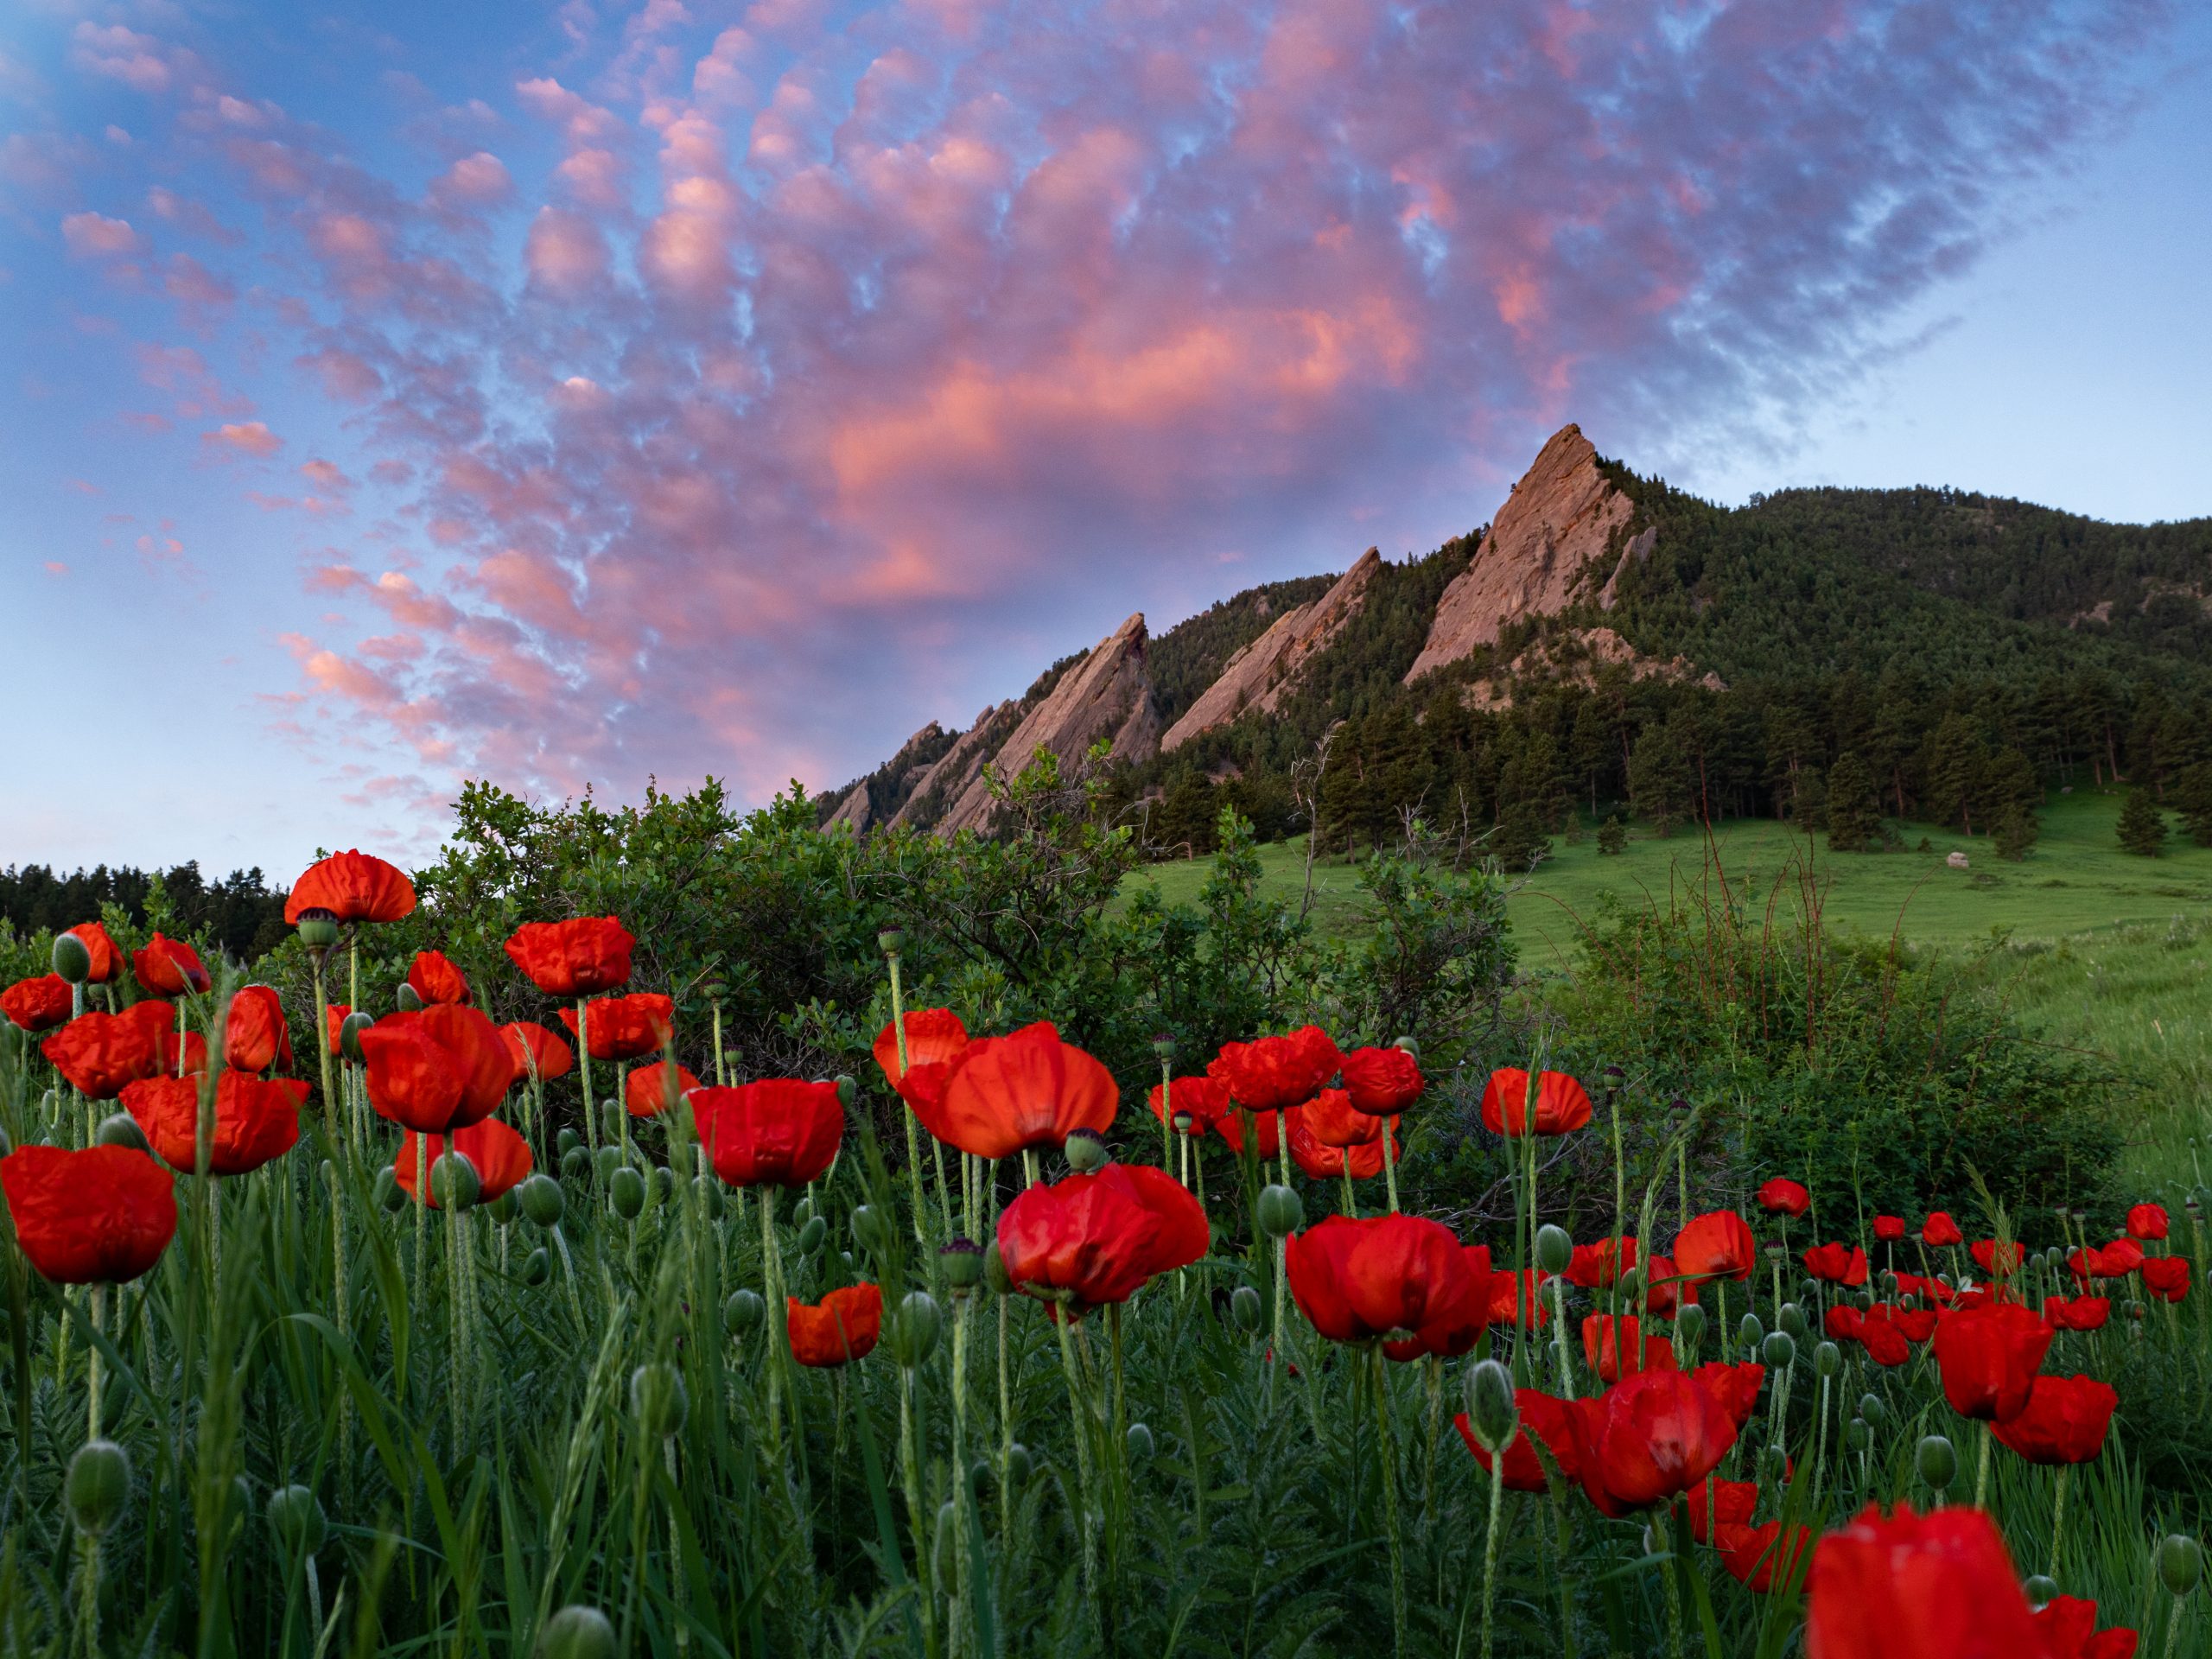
1261, 674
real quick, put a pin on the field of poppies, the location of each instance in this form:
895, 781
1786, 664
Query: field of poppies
340, 1329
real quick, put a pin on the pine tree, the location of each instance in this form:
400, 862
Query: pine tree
2142, 826
2016, 833
1953, 759
1854, 810
1519, 842
2193, 795
1612, 835
1656, 783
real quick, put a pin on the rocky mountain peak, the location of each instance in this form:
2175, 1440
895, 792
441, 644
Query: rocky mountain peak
1261, 674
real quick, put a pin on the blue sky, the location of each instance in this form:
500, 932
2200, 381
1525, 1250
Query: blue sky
400, 394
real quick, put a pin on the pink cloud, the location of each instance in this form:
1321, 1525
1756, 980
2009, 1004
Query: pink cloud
247, 437
95, 236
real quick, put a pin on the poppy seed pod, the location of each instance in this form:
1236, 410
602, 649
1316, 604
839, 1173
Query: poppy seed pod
2040, 1591
410, 999
96, 1485
1491, 1412
1554, 1249
626, 1193
1779, 1350
297, 1519
891, 941
1244, 1308
915, 1325
543, 1201
538, 1267
349, 1035
743, 1312
1937, 1463
1163, 1049
962, 1261
1280, 1212
318, 930
455, 1183
1689, 1323
1018, 1465
1828, 1359
2181, 1563
71, 958
1086, 1150
1140, 1442
388, 1196
657, 1400
121, 1129
577, 1633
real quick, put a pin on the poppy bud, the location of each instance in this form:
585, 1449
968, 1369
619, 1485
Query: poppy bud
1244, 1306
318, 929
454, 1182
847, 1091
743, 1312
1856, 1435
2040, 1592
1791, 1318
608, 1159
543, 1201
96, 1485
1163, 1049
962, 1261
890, 942
1490, 1408
1280, 1212
626, 1193
1018, 1465
505, 1208
349, 1036
2181, 1563
1871, 1408
1776, 1460
538, 1267
297, 1518
1410, 1047
1632, 1284
610, 1121
1554, 1249
576, 1163
995, 1272
1779, 1350
1750, 1331
1086, 1150
1887, 1282
916, 1323
811, 1235
71, 958
1828, 1359
576, 1633
1689, 1323
121, 1129
1139, 1439
945, 1541
566, 1142
710, 1196
657, 1400
389, 1195
1937, 1463
410, 999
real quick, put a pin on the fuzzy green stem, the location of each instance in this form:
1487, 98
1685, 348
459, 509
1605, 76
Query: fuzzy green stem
1081, 1414
913, 1138
1388, 1446
1490, 1553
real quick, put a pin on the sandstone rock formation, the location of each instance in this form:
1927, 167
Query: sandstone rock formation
951, 772
853, 810
1557, 525
1261, 674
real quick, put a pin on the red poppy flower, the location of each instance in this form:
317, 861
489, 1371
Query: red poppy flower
844, 1326
1716, 1245
107, 961
334, 1023
1026, 1090
1383, 1082
1915, 1324
1649, 1437
1991, 1260
168, 967
353, 886
1513, 1295
779, 1131
1842, 1322
1756, 1556
936, 1039
1608, 1343
500, 1157
1379, 1276
1889, 1229
1783, 1197
2076, 1313
100, 1053
1836, 1264
2070, 1626
1322, 1162
1456, 1325
1331, 1120
1591, 1267
2148, 1222
533, 1045
1932, 1290
1271, 1074
1201, 1099
1666, 1287
1874, 1330
578, 957
40, 1004
2113, 1261
625, 1027
434, 979
186, 1056
1989, 1358
102, 1216
1736, 1386
1935, 1586
255, 1036
645, 1091
1229, 1126
441, 1069
1089, 1240
1730, 1504
2065, 1421
2166, 1277
1562, 1104
1547, 1420
256, 1120
1940, 1232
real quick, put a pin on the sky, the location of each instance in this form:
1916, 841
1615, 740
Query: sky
577, 395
